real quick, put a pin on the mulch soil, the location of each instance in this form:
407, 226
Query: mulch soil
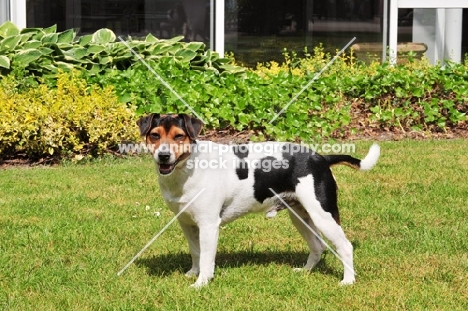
364, 130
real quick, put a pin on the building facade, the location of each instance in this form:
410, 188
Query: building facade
254, 30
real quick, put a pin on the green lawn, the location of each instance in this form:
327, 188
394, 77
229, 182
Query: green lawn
66, 231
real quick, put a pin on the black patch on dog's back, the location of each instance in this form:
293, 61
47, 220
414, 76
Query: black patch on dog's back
242, 152
285, 179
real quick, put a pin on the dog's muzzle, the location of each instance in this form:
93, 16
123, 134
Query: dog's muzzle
164, 162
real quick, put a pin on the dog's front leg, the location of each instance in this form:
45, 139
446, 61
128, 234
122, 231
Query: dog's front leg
208, 243
192, 235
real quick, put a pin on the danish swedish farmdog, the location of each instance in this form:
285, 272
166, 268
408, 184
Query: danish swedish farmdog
240, 179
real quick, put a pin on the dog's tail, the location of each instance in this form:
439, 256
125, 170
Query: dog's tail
364, 165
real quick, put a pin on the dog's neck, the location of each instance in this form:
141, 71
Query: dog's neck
174, 181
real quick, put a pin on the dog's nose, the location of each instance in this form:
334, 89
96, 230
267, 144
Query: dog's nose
164, 156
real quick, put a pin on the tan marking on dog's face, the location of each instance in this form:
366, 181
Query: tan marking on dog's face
176, 139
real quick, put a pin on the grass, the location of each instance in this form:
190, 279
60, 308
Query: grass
66, 231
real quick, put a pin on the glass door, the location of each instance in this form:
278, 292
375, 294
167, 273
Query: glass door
136, 18
259, 30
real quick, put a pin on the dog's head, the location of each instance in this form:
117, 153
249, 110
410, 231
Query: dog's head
169, 137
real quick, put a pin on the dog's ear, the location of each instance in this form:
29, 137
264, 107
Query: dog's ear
144, 123
192, 125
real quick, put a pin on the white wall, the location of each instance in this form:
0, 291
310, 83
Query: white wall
4, 11
444, 38
424, 29
453, 34
18, 12
441, 30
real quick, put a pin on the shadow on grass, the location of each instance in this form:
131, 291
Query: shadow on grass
167, 264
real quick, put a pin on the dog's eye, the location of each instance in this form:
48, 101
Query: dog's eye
154, 136
179, 137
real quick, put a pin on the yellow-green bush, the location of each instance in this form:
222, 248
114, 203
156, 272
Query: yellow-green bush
314, 63
69, 118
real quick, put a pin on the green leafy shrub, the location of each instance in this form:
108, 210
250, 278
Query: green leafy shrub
243, 102
415, 96
70, 119
44, 51
348, 96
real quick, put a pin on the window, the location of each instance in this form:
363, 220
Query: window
255, 30
137, 18
258, 30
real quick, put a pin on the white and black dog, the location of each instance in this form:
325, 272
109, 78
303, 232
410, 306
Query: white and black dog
241, 179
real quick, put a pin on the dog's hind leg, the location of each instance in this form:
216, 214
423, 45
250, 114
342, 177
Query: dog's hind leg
327, 225
192, 235
309, 232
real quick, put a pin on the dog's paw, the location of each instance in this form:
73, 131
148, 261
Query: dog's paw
346, 282
301, 270
191, 273
199, 283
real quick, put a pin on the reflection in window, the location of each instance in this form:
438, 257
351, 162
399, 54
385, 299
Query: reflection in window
258, 30
255, 30
137, 18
